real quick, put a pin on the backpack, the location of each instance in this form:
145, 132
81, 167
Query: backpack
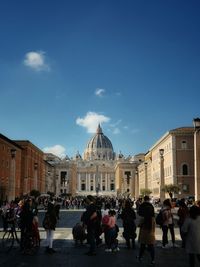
159, 218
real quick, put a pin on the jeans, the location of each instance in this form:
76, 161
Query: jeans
110, 236
165, 233
91, 239
49, 240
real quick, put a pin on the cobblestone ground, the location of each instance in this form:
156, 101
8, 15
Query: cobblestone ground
70, 256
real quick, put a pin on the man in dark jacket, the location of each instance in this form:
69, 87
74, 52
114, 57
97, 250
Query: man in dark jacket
89, 218
146, 206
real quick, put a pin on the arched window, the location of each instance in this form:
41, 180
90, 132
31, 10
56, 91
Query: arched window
185, 169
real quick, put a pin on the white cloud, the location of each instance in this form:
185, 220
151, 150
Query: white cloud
100, 92
91, 121
57, 150
36, 61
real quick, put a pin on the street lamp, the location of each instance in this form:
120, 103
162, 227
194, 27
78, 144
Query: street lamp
97, 185
196, 122
136, 183
145, 177
162, 181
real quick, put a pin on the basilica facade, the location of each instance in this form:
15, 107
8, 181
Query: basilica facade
100, 171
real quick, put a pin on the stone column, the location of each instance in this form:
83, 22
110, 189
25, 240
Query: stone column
136, 184
162, 178
145, 176
197, 163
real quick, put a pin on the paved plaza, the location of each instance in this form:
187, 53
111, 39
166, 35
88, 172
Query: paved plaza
67, 254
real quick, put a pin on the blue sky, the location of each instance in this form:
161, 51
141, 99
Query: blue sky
65, 66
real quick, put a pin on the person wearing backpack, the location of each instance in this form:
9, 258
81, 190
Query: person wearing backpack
168, 223
159, 218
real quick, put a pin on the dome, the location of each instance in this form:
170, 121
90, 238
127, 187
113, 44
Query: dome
99, 147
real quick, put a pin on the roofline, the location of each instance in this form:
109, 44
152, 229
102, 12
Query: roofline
173, 131
10, 141
27, 141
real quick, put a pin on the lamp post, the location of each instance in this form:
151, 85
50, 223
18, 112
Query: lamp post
145, 176
136, 184
196, 123
162, 181
35, 175
12, 177
97, 185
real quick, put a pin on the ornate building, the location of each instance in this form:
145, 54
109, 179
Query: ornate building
100, 172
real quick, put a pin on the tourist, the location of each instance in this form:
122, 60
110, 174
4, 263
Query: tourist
49, 224
182, 213
191, 228
128, 217
89, 219
147, 234
168, 223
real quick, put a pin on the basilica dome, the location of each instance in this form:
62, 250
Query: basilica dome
99, 147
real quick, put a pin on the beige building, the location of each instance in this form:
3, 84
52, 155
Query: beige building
175, 166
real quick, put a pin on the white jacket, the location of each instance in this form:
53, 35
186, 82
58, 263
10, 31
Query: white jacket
191, 228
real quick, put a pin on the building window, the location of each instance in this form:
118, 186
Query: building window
184, 145
83, 187
185, 169
63, 178
91, 188
61, 191
112, 187
103, 188
186, 188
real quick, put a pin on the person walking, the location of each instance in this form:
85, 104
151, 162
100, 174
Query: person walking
146, 236
191, 228
128, 217
168, 223
182, 213
89, 218
49, 224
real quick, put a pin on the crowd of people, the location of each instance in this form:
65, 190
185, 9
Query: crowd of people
100, 220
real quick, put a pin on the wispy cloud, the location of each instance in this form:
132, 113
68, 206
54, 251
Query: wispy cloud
57, 150
115, 127
91, 121
100, 92
116, 123
36, 61
116, 131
